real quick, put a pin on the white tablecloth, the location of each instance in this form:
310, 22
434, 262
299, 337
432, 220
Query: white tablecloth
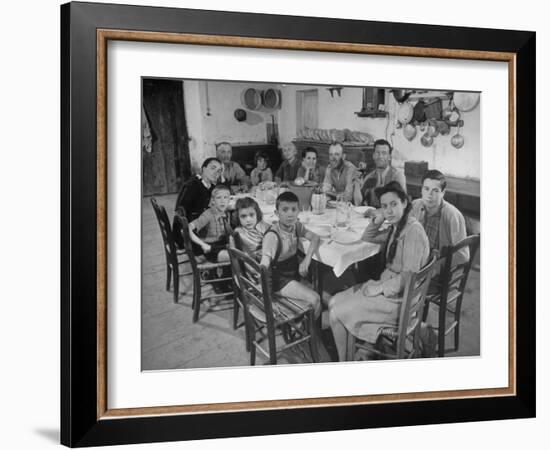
333, 254
336, 255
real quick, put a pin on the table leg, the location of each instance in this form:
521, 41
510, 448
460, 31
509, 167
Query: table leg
317, 279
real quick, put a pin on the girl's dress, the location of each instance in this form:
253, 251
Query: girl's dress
364, 316
251, 240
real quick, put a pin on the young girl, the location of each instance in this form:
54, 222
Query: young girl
261, 172
251, 228
362, 310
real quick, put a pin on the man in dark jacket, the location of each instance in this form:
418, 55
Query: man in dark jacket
194, 195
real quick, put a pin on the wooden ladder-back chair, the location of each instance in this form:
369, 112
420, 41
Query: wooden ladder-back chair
174, 256
267, 319
235, 242
449, 291
402, 341
200, 269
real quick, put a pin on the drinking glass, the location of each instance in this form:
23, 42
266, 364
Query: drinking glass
343, 210
305, 213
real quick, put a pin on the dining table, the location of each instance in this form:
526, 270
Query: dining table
340, 247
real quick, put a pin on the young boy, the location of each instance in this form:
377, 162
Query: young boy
279, 249
214, 227
444, 224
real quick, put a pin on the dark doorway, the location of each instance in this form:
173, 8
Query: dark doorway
164, 148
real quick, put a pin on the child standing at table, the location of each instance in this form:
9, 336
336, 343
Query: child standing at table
213, 226
279, 250
251, 228
261, 172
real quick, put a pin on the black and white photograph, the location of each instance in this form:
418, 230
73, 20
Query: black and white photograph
296, 224
275, 225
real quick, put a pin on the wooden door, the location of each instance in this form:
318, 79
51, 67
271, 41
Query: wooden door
307, 109
165, 163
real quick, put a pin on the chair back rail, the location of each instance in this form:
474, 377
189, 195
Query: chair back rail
265, 316
453, 280
254, 280
459, 272
235, 269
166, 231
182, 225
416, 288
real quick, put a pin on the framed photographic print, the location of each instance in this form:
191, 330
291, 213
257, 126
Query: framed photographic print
277, 224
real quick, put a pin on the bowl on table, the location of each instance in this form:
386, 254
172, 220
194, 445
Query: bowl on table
346, 236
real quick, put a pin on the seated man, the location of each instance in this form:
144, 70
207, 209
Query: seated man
233, 173
194, 195
363, 192
444, 224
310, 170
339, 174
288, 169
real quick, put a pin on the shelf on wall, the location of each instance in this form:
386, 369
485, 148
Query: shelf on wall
430, 95
372, 113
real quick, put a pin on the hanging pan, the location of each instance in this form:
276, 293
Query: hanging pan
466, 101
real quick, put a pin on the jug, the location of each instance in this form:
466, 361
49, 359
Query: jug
318, 202
343, 212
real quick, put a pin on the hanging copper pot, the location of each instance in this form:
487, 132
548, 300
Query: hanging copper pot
432, 128
466, 101
405, 113
409, 131
457, 141
443, 128
448, 110
401, 95
240, 115
419, 113
427, 140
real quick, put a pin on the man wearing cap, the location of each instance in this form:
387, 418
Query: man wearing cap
233, 173
363, 192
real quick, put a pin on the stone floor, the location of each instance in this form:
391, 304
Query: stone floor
170, 339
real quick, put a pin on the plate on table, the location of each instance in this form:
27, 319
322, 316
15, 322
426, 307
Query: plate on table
346, 237
320, 230
331, 203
